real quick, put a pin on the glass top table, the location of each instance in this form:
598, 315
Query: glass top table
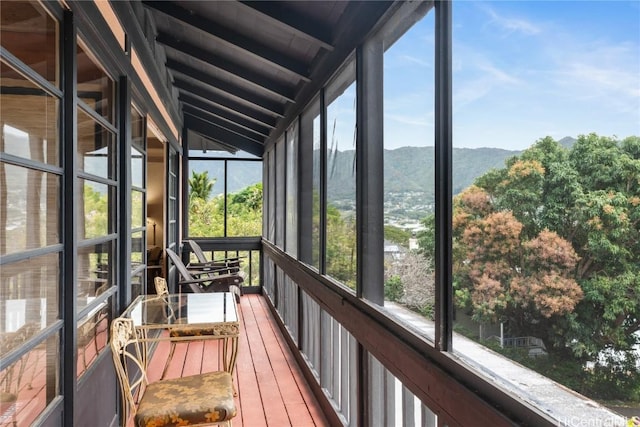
189, 317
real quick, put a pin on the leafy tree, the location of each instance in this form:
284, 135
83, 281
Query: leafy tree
244, 213
341, 247
393, 288
249, 199
501, 275
427, 237
200, 185
553, 218
96, 212
397, 235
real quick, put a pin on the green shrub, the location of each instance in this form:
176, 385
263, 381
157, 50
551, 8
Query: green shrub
393, 288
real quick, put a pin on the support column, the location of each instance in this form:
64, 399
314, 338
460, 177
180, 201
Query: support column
443, 177
369, 171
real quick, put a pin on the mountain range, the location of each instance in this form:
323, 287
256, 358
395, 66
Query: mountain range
408, 173
412, 169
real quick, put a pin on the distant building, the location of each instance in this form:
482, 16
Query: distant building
393, 251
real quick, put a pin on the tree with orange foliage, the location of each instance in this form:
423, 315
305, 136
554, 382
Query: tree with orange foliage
502, 276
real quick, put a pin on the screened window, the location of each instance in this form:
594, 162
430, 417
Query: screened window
279, 218
409, 167
311, 147
225, 195
340, 224
291, 241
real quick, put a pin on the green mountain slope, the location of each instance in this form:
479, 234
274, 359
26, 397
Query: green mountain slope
411, 169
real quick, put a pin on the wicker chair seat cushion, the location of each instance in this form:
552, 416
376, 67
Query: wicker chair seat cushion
198, 331
196, 399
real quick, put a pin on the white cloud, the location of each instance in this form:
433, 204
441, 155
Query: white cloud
410, 120
477, 77
511, 25
416, 60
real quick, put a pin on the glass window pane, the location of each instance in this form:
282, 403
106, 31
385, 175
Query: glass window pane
279, 217
29, 295
137, 130
244, 198
271, 202
30, 211
93, 331
206, 198
30, 118
137, 168
29, 33
95, 207
32, 382
341, 179
265, 195
310, 123
137, 249
95, 87
409, 169
137, 207
96, 147
136, 286
95, 271
291, 243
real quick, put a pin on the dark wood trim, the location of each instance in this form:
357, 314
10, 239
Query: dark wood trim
124, 205
69, 297
322, 226
229, 244
226, 199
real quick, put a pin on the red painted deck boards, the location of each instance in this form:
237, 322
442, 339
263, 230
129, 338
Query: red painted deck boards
271, 388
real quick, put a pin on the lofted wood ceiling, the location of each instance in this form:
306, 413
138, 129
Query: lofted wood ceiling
242, 70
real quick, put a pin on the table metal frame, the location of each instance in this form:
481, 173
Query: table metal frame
204, 322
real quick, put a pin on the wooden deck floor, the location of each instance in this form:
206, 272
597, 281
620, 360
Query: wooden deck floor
271, 389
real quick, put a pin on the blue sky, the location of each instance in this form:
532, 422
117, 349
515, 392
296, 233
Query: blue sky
522, 70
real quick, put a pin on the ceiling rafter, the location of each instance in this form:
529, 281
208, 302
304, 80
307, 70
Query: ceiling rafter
223, 135
227, 124
257, 80
195, 103
228, 104
286, 20
220, 85
231, 38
